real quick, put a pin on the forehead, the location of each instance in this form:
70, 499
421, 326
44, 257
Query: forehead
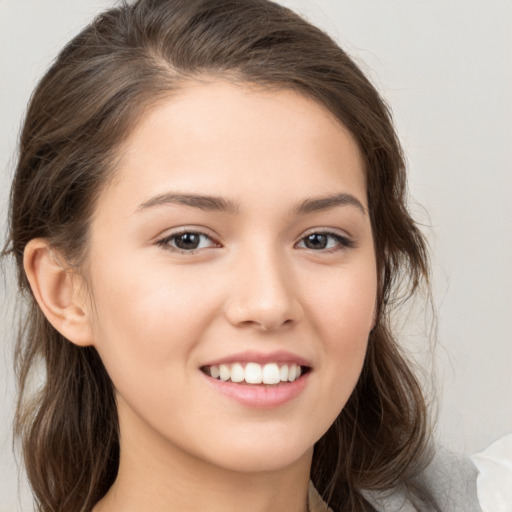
239, 137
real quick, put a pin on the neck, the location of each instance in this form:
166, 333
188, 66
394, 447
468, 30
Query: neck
156, 476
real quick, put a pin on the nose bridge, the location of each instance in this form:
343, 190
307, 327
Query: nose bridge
263, 293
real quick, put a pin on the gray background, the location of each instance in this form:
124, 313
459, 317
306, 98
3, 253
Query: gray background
445, 68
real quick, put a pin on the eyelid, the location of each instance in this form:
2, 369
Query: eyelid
326, 231
345, 241
163, 240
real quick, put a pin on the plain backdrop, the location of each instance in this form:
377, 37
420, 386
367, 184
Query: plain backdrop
445, 67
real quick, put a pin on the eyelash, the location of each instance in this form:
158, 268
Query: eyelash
165, 242
342, 242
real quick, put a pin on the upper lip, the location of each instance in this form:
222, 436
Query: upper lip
250, 356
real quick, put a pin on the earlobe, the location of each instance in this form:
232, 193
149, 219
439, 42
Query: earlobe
55, 289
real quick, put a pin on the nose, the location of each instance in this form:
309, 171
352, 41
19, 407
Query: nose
263, 292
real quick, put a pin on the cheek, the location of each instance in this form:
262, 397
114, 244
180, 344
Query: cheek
146, 322
343, 315
343, 308
147, 329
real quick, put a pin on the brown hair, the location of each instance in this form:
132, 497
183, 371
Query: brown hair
83, 108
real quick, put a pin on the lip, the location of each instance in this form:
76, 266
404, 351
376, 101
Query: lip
259, 396
250, 356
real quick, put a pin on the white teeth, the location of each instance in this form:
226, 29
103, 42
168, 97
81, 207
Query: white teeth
237, 373
224, 372
271, 374
254, 373
293, 372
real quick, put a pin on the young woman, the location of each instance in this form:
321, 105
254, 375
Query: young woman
209, 223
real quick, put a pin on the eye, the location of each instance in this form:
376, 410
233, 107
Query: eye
187, 241
325, 241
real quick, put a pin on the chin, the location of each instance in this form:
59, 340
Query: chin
267, 455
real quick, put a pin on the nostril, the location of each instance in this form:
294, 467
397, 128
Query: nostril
263, 305
273, 324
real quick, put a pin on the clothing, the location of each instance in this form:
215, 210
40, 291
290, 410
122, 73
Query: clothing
315, 501
450, 478
494, 482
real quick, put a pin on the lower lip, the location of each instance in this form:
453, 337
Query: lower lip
260, 395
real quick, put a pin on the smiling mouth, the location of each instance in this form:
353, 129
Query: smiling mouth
254, 373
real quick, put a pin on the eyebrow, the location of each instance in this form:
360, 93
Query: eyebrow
219, 204
207, 203
318, 204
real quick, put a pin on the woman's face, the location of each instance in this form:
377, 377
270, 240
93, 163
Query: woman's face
233, 246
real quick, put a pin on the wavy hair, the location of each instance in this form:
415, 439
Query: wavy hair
84, 107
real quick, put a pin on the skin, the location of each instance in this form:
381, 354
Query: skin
156, 315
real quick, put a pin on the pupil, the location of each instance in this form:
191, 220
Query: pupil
187, 241
316, 241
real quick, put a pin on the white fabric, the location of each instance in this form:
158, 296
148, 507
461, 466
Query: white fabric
494, 480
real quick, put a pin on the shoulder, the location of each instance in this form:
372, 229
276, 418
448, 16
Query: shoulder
451, 479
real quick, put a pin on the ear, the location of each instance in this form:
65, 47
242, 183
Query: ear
58, 292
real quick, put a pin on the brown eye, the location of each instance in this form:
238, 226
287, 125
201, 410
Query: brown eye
316, 241
325, 242
187, 241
